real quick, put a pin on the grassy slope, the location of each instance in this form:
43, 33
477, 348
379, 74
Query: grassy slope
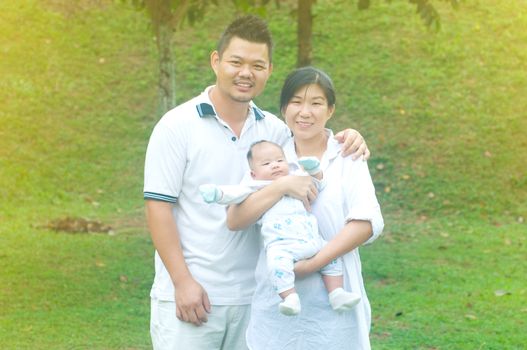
75, 117
444, 114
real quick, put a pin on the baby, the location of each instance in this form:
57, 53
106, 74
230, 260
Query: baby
290, 232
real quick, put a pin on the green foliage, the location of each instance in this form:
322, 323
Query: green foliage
443, 113
193, 11
425, 8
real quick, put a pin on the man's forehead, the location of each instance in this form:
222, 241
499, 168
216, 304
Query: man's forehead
244, 49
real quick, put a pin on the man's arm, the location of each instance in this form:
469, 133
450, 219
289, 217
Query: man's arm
192, 302
246, 213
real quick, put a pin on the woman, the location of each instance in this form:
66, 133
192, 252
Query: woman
348, 216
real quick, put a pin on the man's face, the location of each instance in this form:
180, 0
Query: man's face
268, 162
243, 69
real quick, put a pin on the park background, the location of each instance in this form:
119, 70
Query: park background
444, 114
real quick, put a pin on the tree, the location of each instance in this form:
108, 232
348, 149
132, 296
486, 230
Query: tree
304, 32
166, 17
424, 8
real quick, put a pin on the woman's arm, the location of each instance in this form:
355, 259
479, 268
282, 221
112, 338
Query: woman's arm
246, 213
352, 235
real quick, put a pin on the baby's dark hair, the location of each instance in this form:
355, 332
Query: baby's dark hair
250, 28
250, 152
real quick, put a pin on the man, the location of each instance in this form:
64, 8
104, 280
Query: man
204, 273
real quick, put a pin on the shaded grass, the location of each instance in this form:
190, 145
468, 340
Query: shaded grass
448, 285
74, 291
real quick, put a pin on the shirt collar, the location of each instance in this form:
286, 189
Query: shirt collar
206, 109
334, 147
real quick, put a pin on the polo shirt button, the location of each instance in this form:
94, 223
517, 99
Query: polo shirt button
233, 138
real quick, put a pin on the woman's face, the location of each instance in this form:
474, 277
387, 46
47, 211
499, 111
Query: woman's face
307, 112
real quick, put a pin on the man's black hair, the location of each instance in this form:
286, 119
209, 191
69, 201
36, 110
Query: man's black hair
250, 28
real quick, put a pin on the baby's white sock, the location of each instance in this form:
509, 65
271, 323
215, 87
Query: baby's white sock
341, 300
291, 305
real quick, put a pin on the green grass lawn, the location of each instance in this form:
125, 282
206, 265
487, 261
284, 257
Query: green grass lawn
443, 113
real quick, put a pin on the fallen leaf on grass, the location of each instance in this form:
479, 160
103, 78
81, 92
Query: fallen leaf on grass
471, 317
382, 335
77, 225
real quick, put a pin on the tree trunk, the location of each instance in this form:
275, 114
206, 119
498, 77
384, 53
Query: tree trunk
167, 78
304, 32
160, 12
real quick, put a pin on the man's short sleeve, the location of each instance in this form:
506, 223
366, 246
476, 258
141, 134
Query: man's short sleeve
165, 163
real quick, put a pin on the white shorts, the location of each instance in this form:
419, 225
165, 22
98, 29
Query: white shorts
224, 330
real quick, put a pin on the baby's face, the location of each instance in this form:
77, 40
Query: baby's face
268, 162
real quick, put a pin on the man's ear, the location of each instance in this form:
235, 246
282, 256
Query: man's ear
215, 60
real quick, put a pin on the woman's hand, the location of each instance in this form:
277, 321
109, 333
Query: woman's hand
305, 267
299, 187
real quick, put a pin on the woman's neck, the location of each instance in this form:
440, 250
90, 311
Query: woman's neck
315, 146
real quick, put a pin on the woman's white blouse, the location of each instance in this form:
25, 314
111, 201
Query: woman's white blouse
349, 195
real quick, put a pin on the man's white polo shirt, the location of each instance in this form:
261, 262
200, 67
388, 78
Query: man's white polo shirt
190, 146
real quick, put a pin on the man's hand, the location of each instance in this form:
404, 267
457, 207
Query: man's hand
299, 187
353, 144
192, 302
